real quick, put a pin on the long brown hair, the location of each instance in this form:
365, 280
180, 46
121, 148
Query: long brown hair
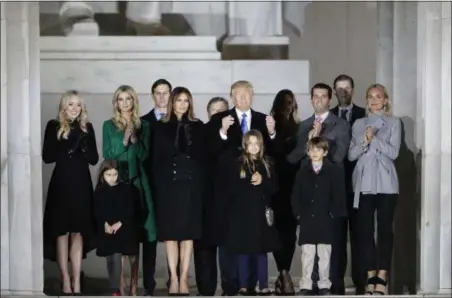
285, 124
178, 91
106, 165
247, 163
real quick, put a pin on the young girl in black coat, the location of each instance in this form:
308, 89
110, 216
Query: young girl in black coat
115, 212
251, 233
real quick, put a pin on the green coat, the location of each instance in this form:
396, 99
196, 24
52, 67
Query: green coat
134, 154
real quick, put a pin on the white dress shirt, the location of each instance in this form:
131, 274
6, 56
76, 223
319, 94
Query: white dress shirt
322, 116
248, 122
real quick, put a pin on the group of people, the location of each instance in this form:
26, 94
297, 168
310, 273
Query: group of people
237, 187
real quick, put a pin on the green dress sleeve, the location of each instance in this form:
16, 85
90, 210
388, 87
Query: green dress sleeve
142, 146
111, 149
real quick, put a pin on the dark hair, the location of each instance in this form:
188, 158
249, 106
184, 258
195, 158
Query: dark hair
174, 95
215, 100
286, 125
324, 87
160, 82
107, 164
344, 77
317, 142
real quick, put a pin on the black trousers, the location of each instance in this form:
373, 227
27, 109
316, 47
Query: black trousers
205, 259
384, 205
287, 230
148, 258
344, 227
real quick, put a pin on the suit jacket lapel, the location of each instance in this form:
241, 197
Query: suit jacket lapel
254, 120
236, 125
328, 123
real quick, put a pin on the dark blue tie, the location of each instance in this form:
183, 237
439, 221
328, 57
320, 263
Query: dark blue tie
243, 124
162, 115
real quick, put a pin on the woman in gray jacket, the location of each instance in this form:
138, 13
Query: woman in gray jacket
375, 144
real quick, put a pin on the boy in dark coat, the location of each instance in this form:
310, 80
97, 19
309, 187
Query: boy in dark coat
318, 197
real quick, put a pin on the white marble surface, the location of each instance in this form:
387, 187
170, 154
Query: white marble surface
4, 210
445, 233
202, 77
138, 44
434, 75
257, 40
22, 234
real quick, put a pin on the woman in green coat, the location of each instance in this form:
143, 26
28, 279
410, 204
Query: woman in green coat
126, 139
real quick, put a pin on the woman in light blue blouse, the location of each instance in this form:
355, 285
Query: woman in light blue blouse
375, 144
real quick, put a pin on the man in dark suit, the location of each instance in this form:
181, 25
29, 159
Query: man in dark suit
335, 130
322, 123
161, 91
343, 89
225, 131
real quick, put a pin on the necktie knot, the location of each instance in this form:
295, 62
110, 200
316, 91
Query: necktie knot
162, 115
344, 113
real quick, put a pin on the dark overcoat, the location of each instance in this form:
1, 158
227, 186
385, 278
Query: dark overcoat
179, 166
316, 200
248, 231
223, 153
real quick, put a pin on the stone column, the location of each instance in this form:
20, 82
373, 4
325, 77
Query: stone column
255, 31
4, 160
22, 265
445, 195
385, 38
434, 93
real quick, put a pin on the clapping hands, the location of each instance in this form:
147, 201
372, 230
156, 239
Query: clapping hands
256, 179
369, 134
112, 229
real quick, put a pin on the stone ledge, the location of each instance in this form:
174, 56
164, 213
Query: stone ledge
143, 44
201, 76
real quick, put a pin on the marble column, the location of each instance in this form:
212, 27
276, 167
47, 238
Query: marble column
445, 193
434, 77
385, 38
22, 263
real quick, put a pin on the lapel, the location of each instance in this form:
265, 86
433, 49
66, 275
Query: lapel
236, 125
328, 123
254, 120
335, 110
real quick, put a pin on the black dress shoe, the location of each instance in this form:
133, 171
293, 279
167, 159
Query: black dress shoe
324, 292
304, 292
148, 293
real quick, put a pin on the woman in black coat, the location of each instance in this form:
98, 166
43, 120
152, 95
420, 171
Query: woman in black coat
70, 143
285, 112
179, 177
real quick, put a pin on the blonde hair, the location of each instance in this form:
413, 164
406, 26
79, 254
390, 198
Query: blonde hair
247, 163
242, 84
387, 107
118, 120
64, 127
178, 91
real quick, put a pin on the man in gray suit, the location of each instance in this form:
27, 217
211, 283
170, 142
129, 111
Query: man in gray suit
336, 131
322, 123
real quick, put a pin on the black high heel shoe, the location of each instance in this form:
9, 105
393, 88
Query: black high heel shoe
379, 281
287, 284
63, 293
370, 281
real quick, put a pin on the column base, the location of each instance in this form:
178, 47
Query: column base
8, 293
256, 47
